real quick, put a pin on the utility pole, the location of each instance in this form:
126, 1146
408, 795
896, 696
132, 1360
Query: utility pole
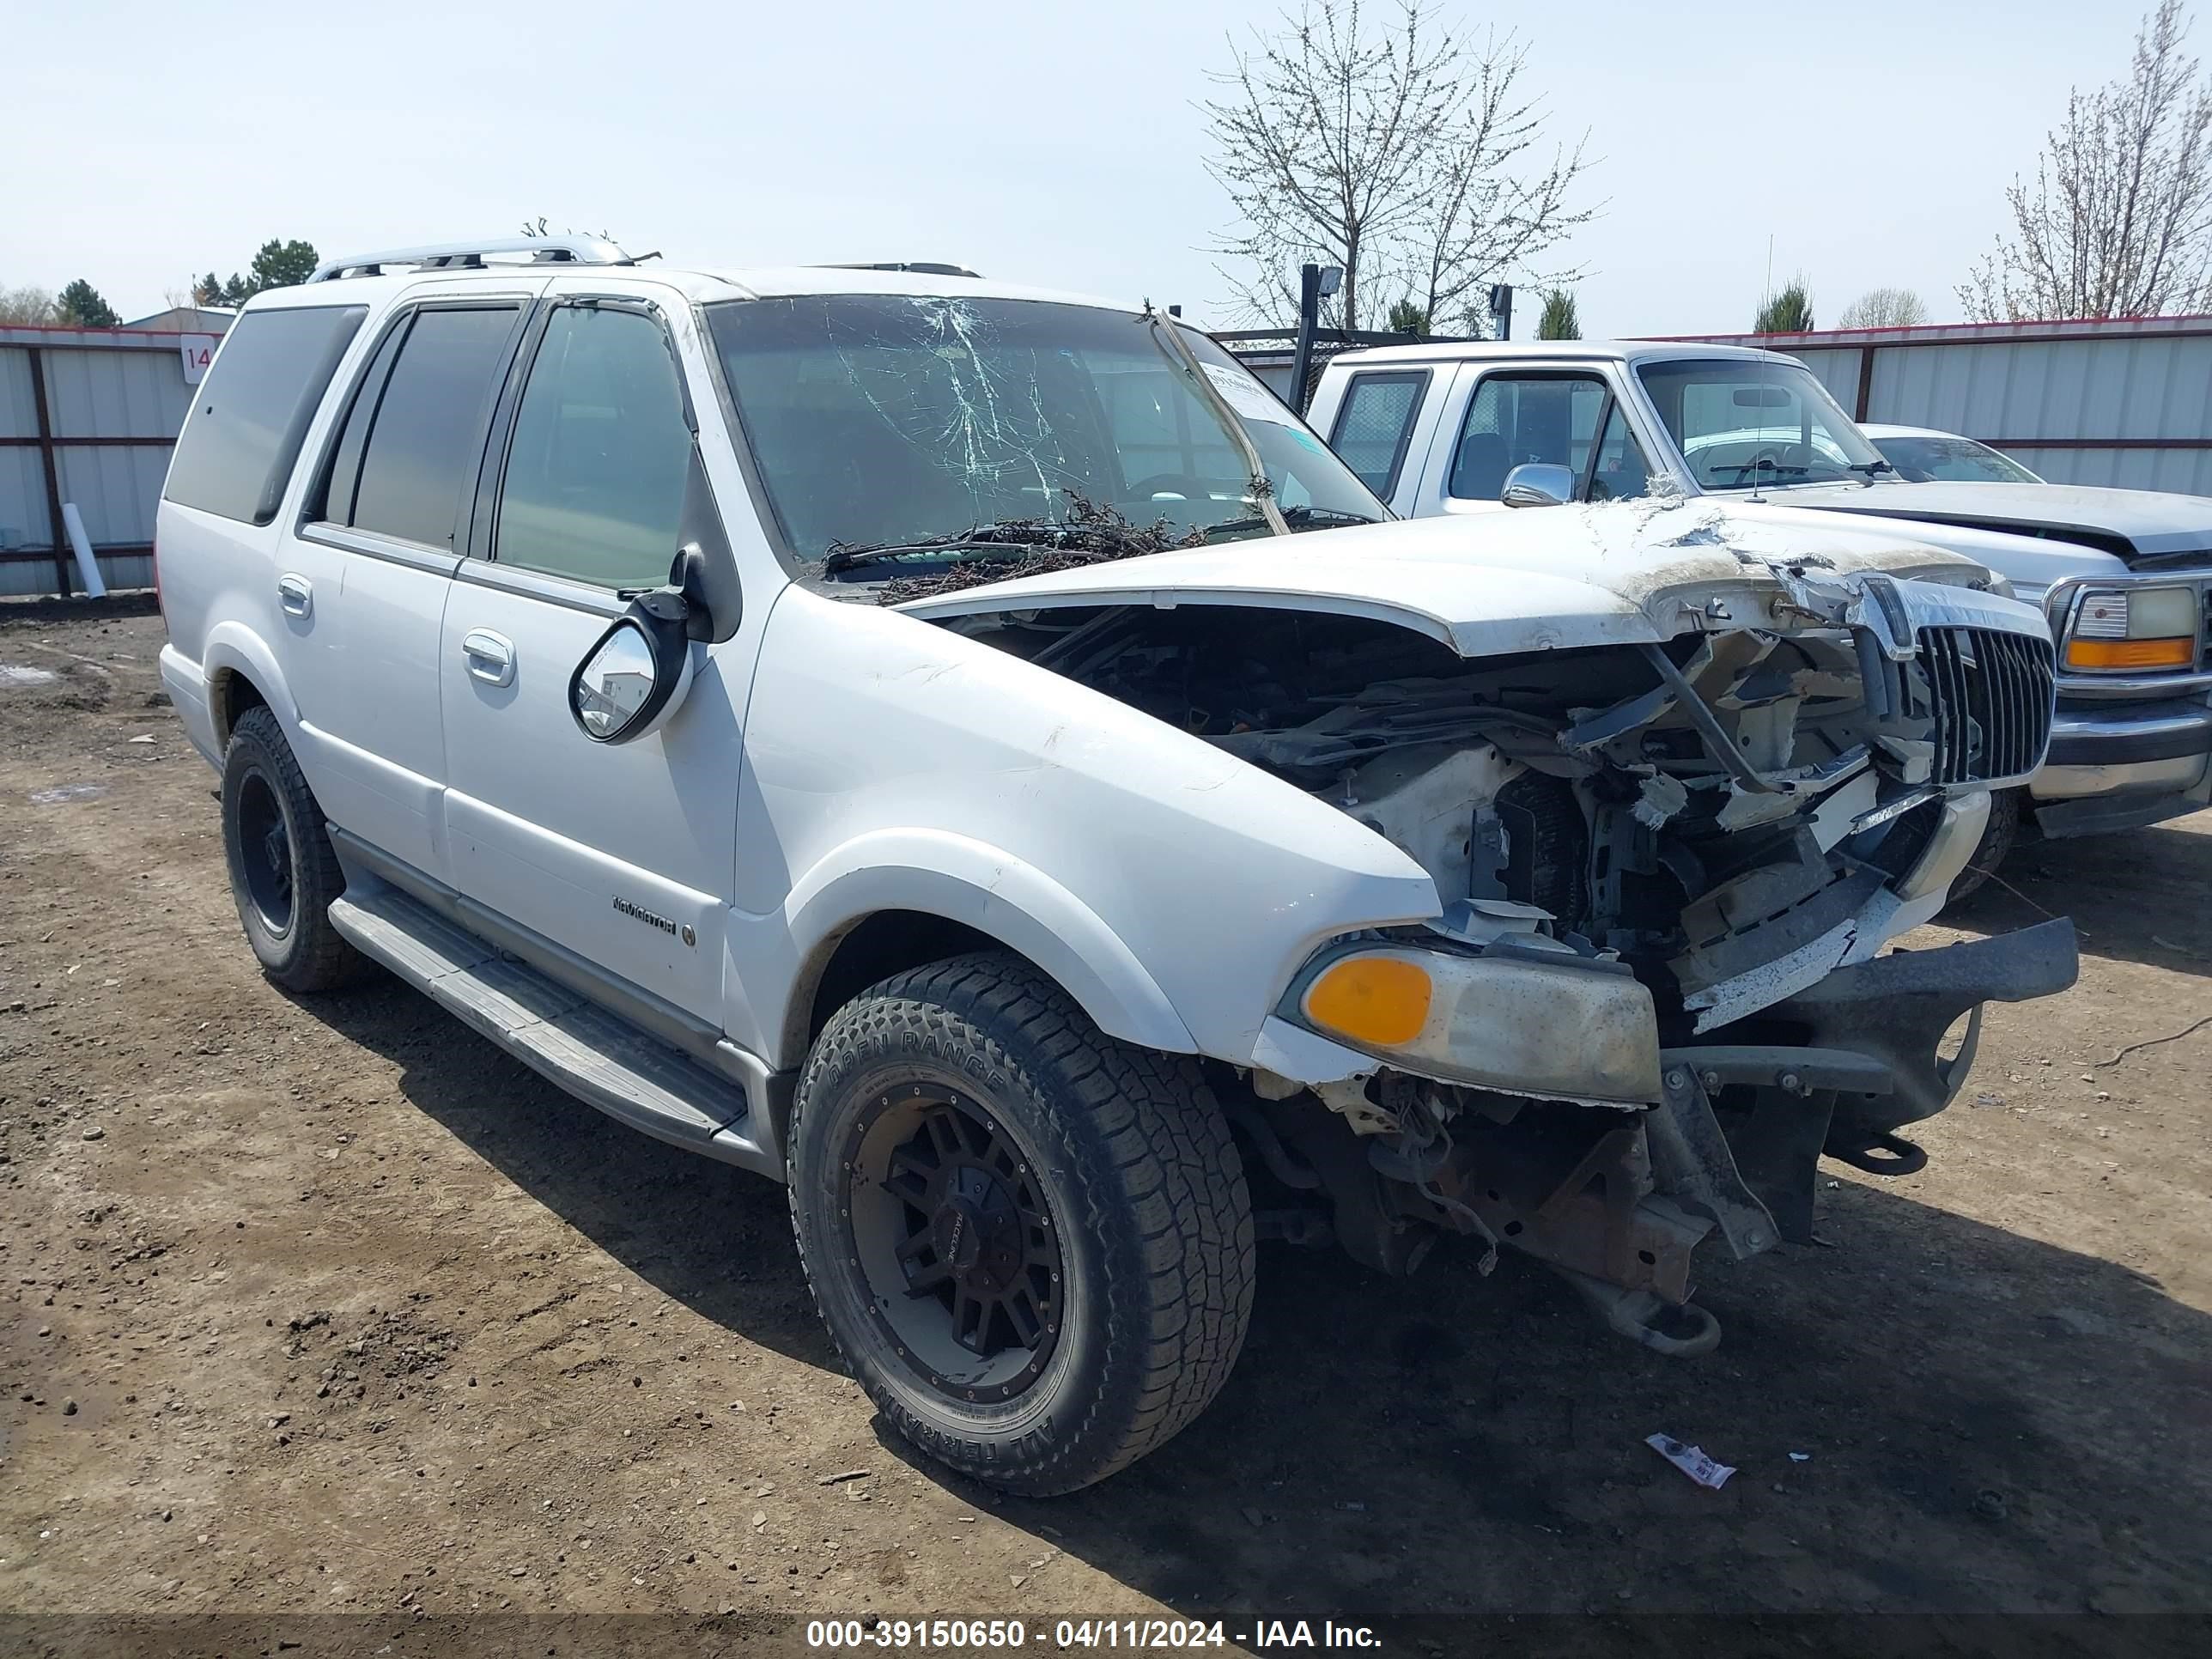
1501, 309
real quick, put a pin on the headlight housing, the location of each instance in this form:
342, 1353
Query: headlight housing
2139, 627
1558, 1026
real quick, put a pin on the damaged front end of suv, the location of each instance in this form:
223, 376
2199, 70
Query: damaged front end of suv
1676, 785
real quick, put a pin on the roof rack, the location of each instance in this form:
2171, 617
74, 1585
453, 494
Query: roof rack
470, 256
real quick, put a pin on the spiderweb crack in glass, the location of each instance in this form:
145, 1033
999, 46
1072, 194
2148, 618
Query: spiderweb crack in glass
884, 423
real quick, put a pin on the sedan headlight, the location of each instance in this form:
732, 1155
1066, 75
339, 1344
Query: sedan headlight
2134, 627
1569, 1028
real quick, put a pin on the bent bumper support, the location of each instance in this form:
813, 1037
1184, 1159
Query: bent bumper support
1896, 1009
1872, 1062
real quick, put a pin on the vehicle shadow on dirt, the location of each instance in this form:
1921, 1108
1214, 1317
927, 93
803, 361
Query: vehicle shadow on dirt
2134, 897
2029, 1424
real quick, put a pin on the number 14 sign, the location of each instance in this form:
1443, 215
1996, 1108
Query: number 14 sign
198, 349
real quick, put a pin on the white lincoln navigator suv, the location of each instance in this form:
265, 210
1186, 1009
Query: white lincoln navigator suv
972, 755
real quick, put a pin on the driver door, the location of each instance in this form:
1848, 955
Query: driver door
1551, 417
619, 853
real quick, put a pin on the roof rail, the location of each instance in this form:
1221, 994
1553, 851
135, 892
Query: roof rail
470, 256
919, 267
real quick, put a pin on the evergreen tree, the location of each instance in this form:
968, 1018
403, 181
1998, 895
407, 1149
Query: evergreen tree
1560, 320
1789, 311
79, 303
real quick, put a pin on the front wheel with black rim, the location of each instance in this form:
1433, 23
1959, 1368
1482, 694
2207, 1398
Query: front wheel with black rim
1031, 1241
283, 871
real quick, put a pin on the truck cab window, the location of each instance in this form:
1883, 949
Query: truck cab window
1515, 419
1374, 422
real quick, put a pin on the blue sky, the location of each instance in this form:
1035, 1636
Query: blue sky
1058, 145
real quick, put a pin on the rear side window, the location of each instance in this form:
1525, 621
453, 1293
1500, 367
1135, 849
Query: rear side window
595, 473
1374, 422
416, 431
236, 452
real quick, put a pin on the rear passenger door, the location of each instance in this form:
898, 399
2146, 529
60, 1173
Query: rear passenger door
364, 580
620, 855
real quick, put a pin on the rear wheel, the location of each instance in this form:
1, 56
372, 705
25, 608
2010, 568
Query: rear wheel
1031, 1243
283, 871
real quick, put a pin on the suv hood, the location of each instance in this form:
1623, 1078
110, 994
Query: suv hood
2135, 524
1494, 584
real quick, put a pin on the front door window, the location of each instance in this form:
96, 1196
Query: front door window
1561, 420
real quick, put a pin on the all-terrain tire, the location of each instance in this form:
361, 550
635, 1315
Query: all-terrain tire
1995, 845
265, 798
1133, 1156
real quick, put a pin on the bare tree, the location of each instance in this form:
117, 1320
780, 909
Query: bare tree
1398, 151
1488, 206
2118, 222
28, 305
1884, 307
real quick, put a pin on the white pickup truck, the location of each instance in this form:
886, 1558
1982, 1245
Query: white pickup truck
939, 745
2122, 575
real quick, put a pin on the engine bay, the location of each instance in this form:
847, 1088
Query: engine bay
1697, 810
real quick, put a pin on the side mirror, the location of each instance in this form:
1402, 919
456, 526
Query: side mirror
635, 677
1538, 483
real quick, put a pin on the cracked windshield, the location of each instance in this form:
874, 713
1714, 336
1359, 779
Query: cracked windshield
900, 437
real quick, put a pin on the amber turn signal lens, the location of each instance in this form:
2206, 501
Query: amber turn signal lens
2130, 653
1373, 1000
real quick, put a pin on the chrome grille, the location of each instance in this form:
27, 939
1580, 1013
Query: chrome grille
1993, 694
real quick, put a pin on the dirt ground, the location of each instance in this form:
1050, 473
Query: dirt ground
326, 1305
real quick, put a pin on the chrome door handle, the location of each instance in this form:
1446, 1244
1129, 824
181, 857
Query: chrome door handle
296, 593
490, 656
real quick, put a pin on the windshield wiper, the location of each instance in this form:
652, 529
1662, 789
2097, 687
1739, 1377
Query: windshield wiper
1774, 470
1296, 517
983, 539
1870, 468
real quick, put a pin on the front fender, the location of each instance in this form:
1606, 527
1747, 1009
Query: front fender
1171, 887
942, 874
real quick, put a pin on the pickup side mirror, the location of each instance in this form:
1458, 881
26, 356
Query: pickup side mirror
1538, 483
634, 677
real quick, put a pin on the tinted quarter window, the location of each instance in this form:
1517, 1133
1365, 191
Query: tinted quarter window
594, 485
425, 431
336, 501
1373, 425
236, 452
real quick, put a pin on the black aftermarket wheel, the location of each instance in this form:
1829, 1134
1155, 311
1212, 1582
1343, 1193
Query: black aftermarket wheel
283, 871
952, 1230
1031, 1243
